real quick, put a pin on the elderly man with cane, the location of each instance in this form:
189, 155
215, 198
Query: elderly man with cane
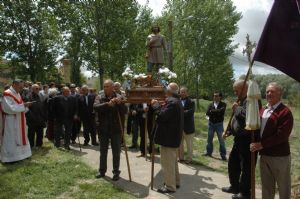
109, 108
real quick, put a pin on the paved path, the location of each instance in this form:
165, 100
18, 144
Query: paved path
196, 181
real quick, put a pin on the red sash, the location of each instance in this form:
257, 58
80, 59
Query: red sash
7, 94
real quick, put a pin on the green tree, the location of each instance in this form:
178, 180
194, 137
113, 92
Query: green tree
202, 35
29, 36
110, 29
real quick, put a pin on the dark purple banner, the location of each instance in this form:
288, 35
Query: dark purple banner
279, 45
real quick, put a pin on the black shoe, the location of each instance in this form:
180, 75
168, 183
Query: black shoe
224, 158
206, 154
240, 196
67, 148
163, 189
95, 144
86, 144
116, 177
177, 186
230, 190
73, 142
132, 147
100, 175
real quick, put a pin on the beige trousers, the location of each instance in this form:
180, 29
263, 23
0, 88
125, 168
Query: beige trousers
169, 164
188, 138
275, 170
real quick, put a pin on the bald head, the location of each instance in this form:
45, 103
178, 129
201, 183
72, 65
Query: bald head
172, 89
238, 89
35, 88
108, 87
66, 91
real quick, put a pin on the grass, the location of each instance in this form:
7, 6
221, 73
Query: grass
52, 173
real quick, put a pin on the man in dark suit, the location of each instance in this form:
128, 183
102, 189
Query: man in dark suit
87, 115
189, 125
76, 126
215, 112
109, 110
239, 161
274, 148
168, 134
36, 117
64, 112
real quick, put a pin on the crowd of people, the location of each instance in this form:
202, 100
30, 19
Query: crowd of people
62, 111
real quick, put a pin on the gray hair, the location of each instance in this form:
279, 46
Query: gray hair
173, 88
240, 82
52, 91
276, 85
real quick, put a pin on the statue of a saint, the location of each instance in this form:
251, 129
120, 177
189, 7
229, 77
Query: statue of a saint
156, 45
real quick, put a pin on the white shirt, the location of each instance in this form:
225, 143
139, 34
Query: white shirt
86, 100
216, 104
266, 115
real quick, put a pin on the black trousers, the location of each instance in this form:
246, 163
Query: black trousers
115, 140
142, 133
239, 165
89, 128
75, 129
35, 131
59, 125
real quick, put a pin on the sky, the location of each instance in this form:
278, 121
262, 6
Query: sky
255, 13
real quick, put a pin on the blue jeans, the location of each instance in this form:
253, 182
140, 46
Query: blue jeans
218, 128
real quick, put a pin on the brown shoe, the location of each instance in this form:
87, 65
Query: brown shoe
188, 161
141, 155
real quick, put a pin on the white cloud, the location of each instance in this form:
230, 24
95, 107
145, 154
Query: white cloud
156, 5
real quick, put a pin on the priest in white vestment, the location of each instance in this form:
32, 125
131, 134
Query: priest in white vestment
15, 145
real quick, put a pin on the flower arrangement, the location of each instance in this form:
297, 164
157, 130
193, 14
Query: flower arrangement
163, 77
166, 76
128, 73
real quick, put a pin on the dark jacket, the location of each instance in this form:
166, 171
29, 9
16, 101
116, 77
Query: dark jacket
275, 137
86, 112
64, 108
238, 124
169, 123
139, 111
36, 116
188, 110
216, 115
49, 103
107, 117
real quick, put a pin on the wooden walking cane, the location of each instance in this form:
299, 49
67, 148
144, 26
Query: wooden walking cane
145, 139
152, 156
252, 168
79, 142
125, 147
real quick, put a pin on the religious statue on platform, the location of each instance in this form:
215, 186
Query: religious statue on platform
156, 45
